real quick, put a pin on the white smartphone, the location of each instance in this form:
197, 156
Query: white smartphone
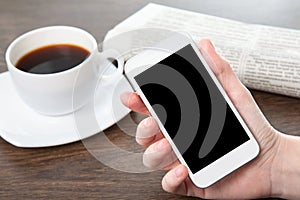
205, 130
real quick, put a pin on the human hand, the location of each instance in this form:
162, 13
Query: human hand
252, 180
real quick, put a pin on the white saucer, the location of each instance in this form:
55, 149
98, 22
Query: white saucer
23, 127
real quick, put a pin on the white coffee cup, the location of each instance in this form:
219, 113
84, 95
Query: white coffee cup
53, 94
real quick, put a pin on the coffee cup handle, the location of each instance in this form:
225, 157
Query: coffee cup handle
106, 64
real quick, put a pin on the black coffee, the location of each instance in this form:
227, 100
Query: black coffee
52, 59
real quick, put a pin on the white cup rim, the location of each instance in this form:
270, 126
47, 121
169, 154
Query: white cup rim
11, 66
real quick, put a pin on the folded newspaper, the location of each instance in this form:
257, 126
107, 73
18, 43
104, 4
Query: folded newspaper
264, 57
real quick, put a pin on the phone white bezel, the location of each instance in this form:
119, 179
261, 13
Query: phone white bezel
220, 167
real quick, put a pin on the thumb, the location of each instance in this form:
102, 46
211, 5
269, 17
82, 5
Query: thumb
222, 70
236, 91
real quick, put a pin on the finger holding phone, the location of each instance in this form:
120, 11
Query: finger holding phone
251, 180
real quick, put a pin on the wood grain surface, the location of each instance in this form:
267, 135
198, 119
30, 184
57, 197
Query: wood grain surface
70, 171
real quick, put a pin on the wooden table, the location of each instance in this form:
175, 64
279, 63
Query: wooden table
70, 171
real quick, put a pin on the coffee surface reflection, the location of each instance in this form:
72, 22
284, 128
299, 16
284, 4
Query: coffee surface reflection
52, 59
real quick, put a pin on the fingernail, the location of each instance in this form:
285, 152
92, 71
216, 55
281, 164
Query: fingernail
124, 96
160, 145
211, 44
208, 58
178, 172
206, 44
147, 122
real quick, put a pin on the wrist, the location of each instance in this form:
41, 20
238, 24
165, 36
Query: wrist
285, 171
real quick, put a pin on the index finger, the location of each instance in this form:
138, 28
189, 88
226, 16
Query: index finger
133, 101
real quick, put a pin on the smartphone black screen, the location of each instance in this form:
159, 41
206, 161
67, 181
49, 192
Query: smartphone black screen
192, 109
